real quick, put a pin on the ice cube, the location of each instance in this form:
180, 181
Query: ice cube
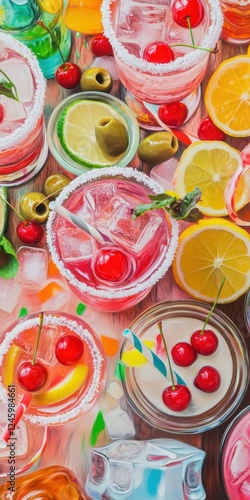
126, 450
54, 295
163, 173
19, 72
121, 476
116, 222
74, 244
99, 196
240, 459
10, 292
245, 489
46, 346
109, 64
119, 424
33, 267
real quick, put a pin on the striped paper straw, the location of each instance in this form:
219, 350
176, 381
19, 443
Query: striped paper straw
9, 430
150, 355
92, 231
180, 134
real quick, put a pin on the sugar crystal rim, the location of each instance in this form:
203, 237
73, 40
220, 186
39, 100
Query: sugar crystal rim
98, 360
129, 173
20, 133
180, 63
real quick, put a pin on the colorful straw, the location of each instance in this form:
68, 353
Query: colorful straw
150, 355
9, 430
231, 187
66, 214
180, 134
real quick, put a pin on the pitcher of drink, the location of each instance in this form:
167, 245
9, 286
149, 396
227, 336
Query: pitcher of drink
84, 16
19, 18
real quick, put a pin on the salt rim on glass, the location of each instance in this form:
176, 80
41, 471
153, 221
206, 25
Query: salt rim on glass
85, 402
181, 63
94, 174
20, 133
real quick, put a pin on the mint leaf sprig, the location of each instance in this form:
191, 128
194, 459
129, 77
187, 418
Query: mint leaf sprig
179, 209
7, 87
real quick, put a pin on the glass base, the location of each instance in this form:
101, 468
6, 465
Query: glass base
27, 173
147, 113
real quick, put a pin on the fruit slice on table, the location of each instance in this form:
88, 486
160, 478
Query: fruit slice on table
227, 96
209, 166
76, 131
208, 251
3, 209
68, 386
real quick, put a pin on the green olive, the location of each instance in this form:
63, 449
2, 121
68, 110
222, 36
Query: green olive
54, 184
158, 147
111, 136
33, 207
96, 79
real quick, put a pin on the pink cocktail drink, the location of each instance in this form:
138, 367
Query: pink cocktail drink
118, 273
23, 147
131, 26
75, 379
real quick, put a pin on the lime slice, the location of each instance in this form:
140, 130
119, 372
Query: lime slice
76, 132
3, 209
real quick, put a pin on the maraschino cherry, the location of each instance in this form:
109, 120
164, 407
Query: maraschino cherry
100, 46
68, 74
111, 265
188, 13
69, 349
173, 114
176, 397
208, 131
158, 53
208, 379
32, 376
1, 113
205, 341
183, 354
27, 231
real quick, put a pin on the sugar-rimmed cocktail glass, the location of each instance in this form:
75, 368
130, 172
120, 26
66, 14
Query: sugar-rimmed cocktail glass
71, 389
139, 252
144, 385
76, 150
23, 146
132, 26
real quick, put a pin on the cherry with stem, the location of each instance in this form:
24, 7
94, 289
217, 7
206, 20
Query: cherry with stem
205, 341
68, 74
176, 397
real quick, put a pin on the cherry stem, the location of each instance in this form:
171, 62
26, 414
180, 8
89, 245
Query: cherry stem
212, 51
16, 212
168, 358
38, 337
54, 38
190, 29
49, 195
213, 306
12, 84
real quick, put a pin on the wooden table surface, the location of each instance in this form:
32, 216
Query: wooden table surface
63, 444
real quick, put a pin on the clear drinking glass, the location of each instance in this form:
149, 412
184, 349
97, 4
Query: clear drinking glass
23, 145
19, 19
144, 385
117, 274
71, 389
236, 25
131, 26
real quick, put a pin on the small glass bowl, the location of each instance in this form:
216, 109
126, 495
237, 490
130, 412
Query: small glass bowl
143, 386
122, 109
247, 310
234, 457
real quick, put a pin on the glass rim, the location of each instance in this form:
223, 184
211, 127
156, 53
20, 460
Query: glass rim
128, 173
21, 132
81, 328
133, 130
189, 424
180, 63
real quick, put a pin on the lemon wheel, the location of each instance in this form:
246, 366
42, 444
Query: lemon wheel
208, 251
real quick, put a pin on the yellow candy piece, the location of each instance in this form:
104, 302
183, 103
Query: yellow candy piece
134, 358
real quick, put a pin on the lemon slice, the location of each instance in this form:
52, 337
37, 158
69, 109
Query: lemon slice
208, 251
10, 364
209, 166
76, 132
227, 96
70, 384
